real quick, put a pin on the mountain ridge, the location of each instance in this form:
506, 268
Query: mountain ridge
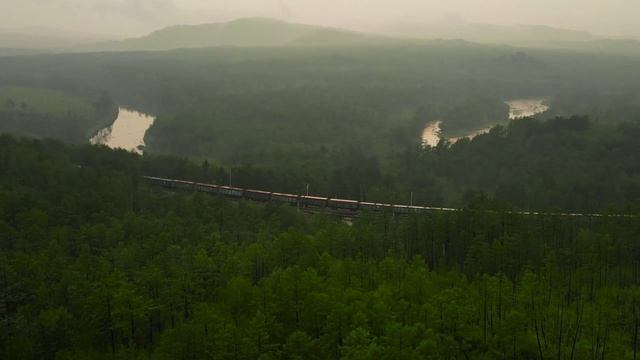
249, 32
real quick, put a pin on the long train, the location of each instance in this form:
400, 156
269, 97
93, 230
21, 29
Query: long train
302, 201
341, 206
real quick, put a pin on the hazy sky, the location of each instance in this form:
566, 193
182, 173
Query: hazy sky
135, 17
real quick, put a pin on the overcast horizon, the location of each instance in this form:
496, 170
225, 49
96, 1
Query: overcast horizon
136, 17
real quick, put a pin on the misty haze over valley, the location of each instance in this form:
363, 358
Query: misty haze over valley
280, 179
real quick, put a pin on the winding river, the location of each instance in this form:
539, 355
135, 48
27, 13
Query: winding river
518, 109
126, 132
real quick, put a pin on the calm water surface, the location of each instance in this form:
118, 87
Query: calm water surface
518, 108
127, 132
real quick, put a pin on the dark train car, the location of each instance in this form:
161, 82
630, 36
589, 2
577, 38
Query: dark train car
230, 191
184, 184
285, 198
257, 195
213, 189
313, 201
207, 188
439, 209
385, 207
401, 209
417, 209
159, 181
368, 206
343, 204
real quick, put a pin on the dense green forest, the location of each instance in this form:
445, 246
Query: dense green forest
569, 164
319, 117
53, 114
383, 93
564, 163
347, 120
97, 264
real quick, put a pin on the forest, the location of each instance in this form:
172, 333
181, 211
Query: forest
383, 94
44, 113
568, 164
347, 120
95, 263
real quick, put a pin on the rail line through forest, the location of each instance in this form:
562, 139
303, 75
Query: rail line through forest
342, 207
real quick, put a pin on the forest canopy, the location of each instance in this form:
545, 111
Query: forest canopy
97, 264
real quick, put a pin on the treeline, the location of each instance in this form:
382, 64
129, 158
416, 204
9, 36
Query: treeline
96, 264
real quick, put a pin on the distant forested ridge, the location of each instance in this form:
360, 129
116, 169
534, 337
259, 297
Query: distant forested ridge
384, 93
96, 264
347, 120
248, 32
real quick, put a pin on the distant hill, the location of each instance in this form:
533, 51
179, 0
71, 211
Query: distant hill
4, 51
44, 38
242, 32
262, 32
610, 46
518, 35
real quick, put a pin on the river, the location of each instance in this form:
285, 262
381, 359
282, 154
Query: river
127, 131
431, 134
518, 109
523, 108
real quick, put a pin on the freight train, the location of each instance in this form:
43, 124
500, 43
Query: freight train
341, 206
301, 201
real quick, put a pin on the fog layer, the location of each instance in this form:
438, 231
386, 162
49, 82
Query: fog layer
136, 17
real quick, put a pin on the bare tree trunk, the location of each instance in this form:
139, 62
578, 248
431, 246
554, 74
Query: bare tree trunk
111, 333
635, 331
535, 324
560, 329
578, 325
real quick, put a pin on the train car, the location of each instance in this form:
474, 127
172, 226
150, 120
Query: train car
314, 201
213, 189
206, 188
418, 209
446, 209
257, 195
159, 181
230, 191
384, 207
184, 184
368, 206
401, 209
343, 204
285, 198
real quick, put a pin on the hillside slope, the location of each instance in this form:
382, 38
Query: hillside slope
519, 35
242, 32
